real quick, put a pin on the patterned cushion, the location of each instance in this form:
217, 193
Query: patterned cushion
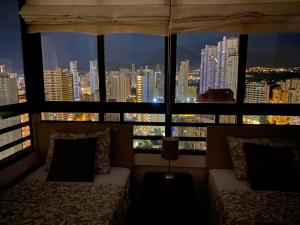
238, 155
102, 156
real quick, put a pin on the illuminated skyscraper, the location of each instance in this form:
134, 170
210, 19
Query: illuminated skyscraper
74, 71
159, 85
58, 85
219, 66
142, 96
208, 69
119, 87
8, 89
9, 95
2, 69
94, 77
182, 88
227, 59
148, 85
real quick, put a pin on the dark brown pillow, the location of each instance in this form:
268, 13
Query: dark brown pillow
73, 160
270, 168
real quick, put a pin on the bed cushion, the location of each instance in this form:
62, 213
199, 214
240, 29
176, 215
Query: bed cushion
102, 155
73, 160
238, 155
238, 207
270, 168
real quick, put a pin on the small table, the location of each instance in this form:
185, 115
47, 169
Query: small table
168, 201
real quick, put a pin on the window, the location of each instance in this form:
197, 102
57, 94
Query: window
70, 67
271, 119
64, 116
12, 81
134, 68
133, 71
207, 67
273, 68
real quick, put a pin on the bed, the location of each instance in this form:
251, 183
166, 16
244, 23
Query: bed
38, 199
234, 201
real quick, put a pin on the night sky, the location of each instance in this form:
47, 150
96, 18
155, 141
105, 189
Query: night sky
264, 49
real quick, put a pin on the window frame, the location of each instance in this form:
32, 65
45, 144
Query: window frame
169, 107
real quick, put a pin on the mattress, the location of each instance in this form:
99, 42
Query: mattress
224, 179
117, 175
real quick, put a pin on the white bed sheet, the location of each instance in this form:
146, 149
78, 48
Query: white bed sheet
117, 175
224, 179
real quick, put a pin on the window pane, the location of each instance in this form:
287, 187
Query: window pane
149, 130
207, 67
192, 145
227, 119
189, 131
134, 65
147, 144
12, 83
144, 117
70, 67
112, 117
63, 116
273, 68
271, 119
193, 118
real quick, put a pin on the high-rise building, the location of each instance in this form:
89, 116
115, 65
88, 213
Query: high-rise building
159, 85
132, 68
148, 85
182, 87
208, 69
2, 69
219, 66
9, 95
8, 89
94, 76
58, 85
119, 87
74, 71
228, 54
257, 92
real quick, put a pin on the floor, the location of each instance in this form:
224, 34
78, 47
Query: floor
199, 176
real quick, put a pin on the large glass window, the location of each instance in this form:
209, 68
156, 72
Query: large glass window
134, 68
70, 67
273, 68
12, 83
207, 67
